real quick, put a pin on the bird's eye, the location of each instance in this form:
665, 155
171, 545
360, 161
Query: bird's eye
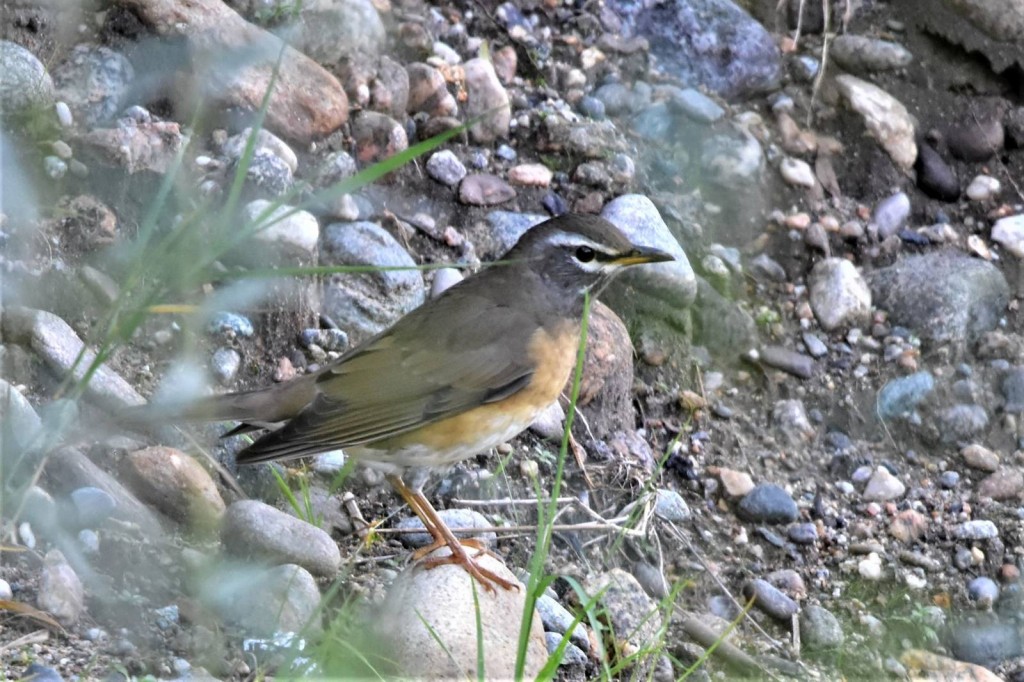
585, 254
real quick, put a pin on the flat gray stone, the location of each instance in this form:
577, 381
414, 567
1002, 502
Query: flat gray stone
252, 529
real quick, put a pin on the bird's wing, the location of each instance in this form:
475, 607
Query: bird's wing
416, 373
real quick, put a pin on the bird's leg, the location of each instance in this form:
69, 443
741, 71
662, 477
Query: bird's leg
443, 537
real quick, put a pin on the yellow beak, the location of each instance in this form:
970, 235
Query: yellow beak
643, 254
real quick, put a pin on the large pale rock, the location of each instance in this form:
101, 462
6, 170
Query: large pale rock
884, 116
175, 484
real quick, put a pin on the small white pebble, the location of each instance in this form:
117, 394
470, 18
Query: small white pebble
983, 188
797, 172
870, 568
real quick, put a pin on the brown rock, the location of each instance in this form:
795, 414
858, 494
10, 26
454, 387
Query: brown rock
908, 526
735, 484
606, 387
1003, 484
980, 458
505, 63
487, 102
483, 189
175, 484
307, 101
428, 92
60, 591
377, 136
137, 146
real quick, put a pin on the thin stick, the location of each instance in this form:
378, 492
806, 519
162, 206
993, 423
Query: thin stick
603, 527
510, 502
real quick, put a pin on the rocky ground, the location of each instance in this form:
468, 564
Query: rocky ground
814, 411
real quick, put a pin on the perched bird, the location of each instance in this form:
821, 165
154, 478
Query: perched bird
462, 374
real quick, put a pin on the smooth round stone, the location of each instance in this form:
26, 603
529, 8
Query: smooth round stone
225, 323
820, 629
224, 364
883, 486
770, 599
983, 188
89, 541
803, 533
572, 655
64, 115
556, 618
93, 506
767, 503
592, 107
891, 214
949, 479
797, 172
446, 168
253, 529
670, 506
987, 644
983, 591
870, 568
26, 86
696, 105
55, 167
900, 397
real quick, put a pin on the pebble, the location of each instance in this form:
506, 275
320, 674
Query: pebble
883, 486
979, 529
60, 591
861, 53
92, 506
935, 177
983, 591
230, 324
732, 161
1003, 484
235, 146
64, 115
26, 85
377, 136
987, 644
571, 655
891, 214
949, 479
767, 503
770, 600
252, 529
764, 268
1009, 233
628, 609
670, 506
790, 421
446, 168
908, 526
483, 189
487, 100
41, 673
789, 361
288, 598
870, 568
329, 339
455, 519
838, 295
980, 458
55, 167
962, 422
444, 279
557, 619
467, 621
803, 533
94, 81
820, 629
885, 118
983, 188
797, 172
224, 365
177, 485
6, 593
530, 175
735, 484
651, 579
814, 345
696, 105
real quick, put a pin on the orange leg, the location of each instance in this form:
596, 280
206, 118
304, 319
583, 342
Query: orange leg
443, 537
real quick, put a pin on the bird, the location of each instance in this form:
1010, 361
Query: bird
461, 374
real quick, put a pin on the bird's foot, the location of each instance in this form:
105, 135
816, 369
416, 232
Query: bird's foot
467, 561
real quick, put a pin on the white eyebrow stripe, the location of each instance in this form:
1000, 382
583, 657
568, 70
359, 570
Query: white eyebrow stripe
568, 239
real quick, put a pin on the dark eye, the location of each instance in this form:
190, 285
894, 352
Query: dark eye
585, 254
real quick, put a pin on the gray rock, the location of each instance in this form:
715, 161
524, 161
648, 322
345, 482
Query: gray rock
229, 325
455, 519
267, 142
900, 397
17, 418
631, 614
334, 30
484, 189
725, 49
224, 364
285, 237
803, 533
58, 345
983, 591
839, 296
267, 174
507, 226
815, 346
771, 600
651, 579
54, 167
891, 214
446, 168
60, 591
987, 644
1008, 232
820, 629
263, 601
41, 673
616, 97
450, 610
252, 529
962, 423
670, 506
92, 506
696, 105
572, 655
557, 619
734, 160
945, 297
638, 218
26, 88
366, 303
861, 53
979, 529
790, 421
935, 177
94, 81
656, 122
789, 361
1012, 388
767, 503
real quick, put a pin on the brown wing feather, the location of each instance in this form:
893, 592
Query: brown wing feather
415, 373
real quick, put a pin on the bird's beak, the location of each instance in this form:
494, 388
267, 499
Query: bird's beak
643, 254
